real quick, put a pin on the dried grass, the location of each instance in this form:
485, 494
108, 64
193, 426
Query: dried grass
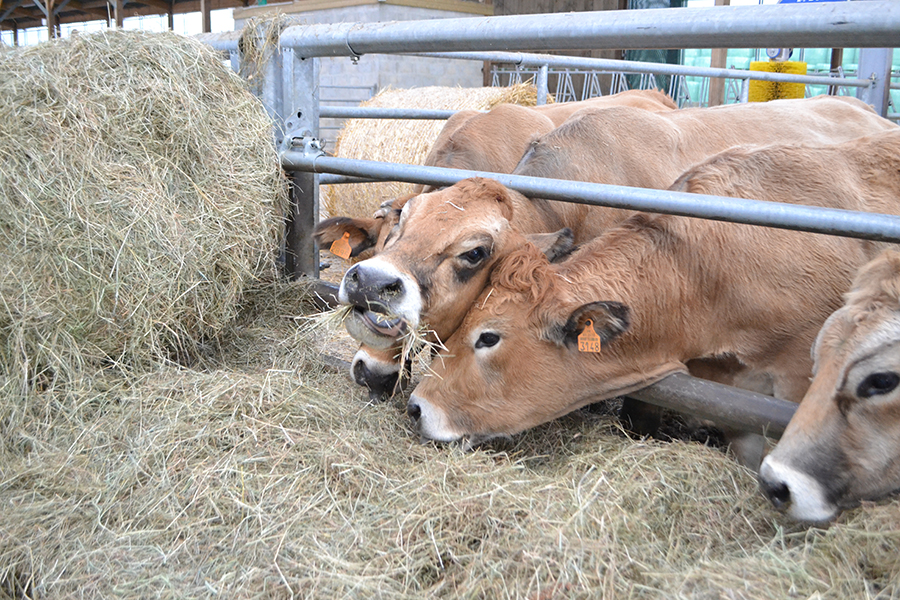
139, 194
404, 140
262, 475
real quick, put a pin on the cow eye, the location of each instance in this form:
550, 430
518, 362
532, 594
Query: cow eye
878, 384
487, 339
475, 255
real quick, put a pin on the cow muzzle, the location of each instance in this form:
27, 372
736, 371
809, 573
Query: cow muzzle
385, 303
798, 494
429, 421
383, 378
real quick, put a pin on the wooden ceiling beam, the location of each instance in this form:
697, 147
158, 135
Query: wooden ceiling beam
9, 8
22, 14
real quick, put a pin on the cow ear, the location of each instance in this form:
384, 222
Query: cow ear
555, 246
609, 319
363, 233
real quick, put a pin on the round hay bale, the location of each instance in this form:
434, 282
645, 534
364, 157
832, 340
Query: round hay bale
140, 192
404, 140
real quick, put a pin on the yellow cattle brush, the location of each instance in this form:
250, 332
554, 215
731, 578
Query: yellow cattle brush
763, 91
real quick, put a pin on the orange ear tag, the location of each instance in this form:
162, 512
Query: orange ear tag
589, 341
341, 247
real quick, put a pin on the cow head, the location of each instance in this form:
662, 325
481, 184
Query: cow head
435, 262
362, 233
437, 250
843, 444
515, 361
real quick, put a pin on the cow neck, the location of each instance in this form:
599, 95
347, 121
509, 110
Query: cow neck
541, 216
534, 216
648, 265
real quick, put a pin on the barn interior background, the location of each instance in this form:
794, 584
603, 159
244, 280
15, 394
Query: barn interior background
224, 459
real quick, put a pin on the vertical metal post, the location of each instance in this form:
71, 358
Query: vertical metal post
745, 91
300, 100
875, 64
542, 84
837, 59
271, 89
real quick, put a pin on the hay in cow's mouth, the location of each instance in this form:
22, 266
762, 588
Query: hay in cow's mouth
327, 319
381, 323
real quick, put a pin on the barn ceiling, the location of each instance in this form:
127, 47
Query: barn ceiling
23, 14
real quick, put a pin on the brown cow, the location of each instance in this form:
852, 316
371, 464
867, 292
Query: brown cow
495, 141
661, 291
439, 254
843, 444
492, 142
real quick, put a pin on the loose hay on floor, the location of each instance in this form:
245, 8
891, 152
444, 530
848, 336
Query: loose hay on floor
263, 476
139, 194
404, 140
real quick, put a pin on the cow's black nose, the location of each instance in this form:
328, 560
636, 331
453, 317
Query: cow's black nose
381, 386
414, 411
778, 493
370, 284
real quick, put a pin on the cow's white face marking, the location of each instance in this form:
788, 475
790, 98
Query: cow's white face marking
433, 422
807, 498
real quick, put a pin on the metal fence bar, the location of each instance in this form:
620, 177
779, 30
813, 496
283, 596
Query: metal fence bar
723, 404
226, 41
332, 179
873, 24
534, 61
829, 221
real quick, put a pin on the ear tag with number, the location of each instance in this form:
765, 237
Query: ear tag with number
341, 247
589, 341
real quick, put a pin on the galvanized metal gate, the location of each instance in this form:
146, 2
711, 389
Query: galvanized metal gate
291, 92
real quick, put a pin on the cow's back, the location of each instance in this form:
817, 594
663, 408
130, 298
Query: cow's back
634, 147
652, 100
493, 141
819, 120
860, 174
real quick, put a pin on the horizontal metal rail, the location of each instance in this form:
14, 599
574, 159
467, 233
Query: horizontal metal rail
529, 60
226, 41
872, 24
722, 404
332, 179
813, 219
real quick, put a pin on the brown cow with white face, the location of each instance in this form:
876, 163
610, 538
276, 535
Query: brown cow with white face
437, 257
843, 443
661, 291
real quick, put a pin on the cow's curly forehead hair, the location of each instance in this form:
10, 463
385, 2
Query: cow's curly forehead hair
526, 275
877, 285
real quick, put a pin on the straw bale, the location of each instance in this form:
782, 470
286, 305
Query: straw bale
263, 476
404, 141
140, 193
